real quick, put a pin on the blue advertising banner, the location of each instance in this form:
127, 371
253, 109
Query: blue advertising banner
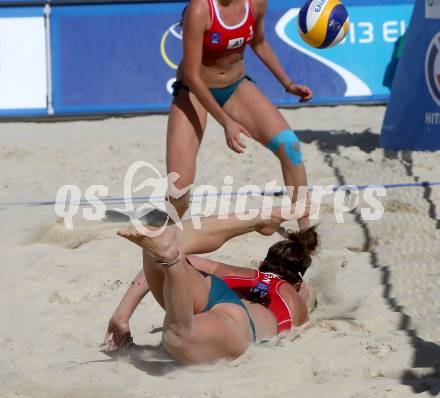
108, 58
119, 58
412, 120
356, 69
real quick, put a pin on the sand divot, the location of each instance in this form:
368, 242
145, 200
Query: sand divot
57, 234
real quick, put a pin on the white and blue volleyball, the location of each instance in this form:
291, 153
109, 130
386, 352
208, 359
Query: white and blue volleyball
323, 23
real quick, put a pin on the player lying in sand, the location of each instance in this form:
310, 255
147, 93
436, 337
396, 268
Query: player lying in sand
216, 310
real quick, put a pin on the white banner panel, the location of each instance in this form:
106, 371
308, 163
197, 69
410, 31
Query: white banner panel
22, 63
432, 9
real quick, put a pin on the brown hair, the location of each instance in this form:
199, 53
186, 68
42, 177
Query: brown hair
290, 258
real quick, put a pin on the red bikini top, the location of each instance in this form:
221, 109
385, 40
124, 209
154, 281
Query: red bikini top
221, 37
264, 289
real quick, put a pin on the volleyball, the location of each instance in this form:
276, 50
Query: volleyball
323, 23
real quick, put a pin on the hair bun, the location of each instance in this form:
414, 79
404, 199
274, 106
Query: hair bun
307, 238
290, 258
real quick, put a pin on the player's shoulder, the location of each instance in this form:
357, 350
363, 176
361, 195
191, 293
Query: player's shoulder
198, 7
286, 290
259, 6
197, 13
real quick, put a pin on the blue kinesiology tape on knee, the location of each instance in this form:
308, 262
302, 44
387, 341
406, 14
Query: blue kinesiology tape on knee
291, 144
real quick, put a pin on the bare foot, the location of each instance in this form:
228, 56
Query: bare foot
268, 226
163, 247
285, 213
303, 223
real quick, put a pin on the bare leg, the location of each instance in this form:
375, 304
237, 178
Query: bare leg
177, 298
214, 232
191, 336
220, 333
294, 176
263, 120
186, 124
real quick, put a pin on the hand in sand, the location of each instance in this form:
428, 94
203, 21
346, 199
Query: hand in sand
118, 335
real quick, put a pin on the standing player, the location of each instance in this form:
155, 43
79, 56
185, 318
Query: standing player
211, 78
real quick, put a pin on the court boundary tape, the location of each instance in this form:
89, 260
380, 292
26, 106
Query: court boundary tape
143, 199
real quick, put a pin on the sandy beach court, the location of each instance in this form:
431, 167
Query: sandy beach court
375, 331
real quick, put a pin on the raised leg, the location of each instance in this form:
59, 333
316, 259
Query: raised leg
190, 335
222, 332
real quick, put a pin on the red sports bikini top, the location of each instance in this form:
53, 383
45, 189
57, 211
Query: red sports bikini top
264, 289
221, 37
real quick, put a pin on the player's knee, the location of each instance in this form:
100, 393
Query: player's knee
174, 339
287, 140
179, 346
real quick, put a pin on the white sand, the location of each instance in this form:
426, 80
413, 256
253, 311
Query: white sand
375, 332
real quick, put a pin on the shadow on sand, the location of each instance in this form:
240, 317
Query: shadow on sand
424, 374
153, 360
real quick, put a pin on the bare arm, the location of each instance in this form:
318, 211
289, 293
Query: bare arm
266, 54
132, 297
296, 302
262, 48
118, 330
